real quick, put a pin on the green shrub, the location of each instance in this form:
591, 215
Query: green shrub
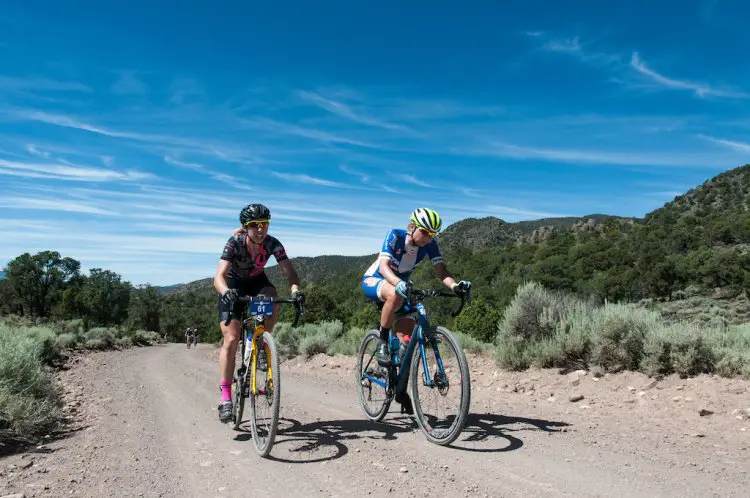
348, 343
287, 339
30, 402
74, 327
67, 341
318, 338
101, 336
123, 342
619, 333
466, 341
96, 344
682, 348
546, 329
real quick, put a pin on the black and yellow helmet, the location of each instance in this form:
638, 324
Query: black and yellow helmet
427, 219
254, 212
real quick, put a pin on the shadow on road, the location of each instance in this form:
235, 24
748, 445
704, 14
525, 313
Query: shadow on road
493, 433
325, 439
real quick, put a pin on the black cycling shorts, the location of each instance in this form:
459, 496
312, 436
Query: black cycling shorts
244, 288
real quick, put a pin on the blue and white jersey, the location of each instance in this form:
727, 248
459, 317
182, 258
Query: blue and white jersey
403, 258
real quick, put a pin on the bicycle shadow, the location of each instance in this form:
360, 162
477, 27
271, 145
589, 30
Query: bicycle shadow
483, 432
324, 440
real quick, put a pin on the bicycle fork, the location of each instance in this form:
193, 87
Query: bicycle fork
254, 351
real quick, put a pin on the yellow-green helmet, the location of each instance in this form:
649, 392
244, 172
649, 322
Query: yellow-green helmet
427, 219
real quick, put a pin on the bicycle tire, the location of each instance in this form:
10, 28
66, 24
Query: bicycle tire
238, 385
263, 448
444, 437
380, 413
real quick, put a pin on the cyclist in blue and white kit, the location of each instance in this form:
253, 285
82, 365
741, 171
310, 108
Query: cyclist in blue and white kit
385, 281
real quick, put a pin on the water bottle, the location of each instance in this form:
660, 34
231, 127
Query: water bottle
395, 344
402, 352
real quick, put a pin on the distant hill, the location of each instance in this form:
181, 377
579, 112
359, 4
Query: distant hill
700, 238
311, 270
480, 233
2, 275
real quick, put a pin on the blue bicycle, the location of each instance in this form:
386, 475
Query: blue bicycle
436, 365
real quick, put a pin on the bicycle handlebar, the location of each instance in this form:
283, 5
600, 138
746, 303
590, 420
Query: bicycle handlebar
420, 294
274, 300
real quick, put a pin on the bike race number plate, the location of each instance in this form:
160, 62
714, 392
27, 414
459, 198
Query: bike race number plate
261, 307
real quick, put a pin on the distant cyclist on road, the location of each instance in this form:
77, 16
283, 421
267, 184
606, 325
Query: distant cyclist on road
189, 336
385, 281
241, 272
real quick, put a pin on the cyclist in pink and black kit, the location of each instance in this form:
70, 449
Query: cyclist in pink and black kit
241, 273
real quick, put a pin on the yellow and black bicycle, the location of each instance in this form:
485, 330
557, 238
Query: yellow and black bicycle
258, 376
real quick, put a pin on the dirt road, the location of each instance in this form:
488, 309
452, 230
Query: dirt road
149, 428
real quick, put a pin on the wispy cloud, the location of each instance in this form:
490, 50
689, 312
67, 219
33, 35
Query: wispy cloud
300, 131
25, 84
732, 144
183, 164
501, 211
233, 181
699, 89
575, 48
183, 89
310, 180
349, 171
51, 204
71, 173
411, 179
32, 149
129, 84
346, 111
71, 122
470, 192
226, 152
582, 156
624, 70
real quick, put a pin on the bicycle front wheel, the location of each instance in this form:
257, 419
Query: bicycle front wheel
266, 397
441, 387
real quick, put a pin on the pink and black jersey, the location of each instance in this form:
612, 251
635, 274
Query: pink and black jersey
244, 266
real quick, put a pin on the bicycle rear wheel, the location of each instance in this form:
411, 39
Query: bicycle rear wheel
266, 399
372, 379
448, 372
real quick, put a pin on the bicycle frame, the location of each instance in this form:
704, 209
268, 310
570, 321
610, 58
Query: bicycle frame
419, 313
259, 329
258, 320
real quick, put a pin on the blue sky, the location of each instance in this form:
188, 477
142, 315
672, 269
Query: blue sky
131, 133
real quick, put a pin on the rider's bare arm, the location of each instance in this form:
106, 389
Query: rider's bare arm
385, 270
291, 274
444, 275
220, 280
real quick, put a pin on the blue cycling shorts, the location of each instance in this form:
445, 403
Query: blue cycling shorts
371, 287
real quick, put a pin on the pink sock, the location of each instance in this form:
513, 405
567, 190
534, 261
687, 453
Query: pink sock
226, 390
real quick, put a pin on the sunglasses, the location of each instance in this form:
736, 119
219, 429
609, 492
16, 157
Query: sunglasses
257, 224
427, 232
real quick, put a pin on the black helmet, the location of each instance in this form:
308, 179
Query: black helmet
254, 212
